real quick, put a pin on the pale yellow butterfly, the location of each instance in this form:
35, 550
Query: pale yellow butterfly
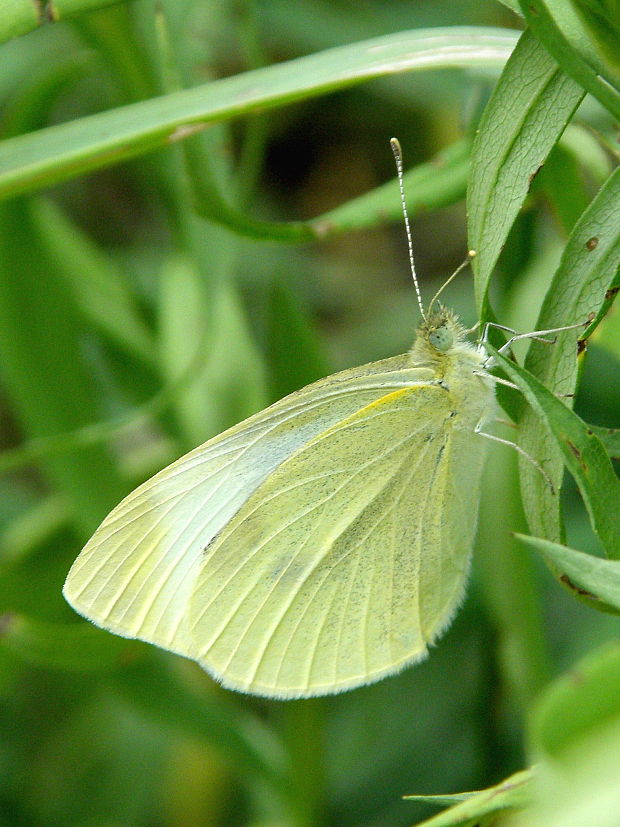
319, 545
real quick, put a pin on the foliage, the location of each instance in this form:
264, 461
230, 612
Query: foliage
194, 210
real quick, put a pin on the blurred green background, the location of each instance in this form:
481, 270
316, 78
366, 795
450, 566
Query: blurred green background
132, 329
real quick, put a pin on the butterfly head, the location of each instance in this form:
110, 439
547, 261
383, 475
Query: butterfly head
438, 335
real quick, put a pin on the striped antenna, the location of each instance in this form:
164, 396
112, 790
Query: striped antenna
398, 157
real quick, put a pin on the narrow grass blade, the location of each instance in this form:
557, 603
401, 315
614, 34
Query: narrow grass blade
57, 153
513, 793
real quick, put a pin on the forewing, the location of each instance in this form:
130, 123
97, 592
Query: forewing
346, 562
136, 574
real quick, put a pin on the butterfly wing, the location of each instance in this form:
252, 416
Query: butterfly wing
137, 573
349, 559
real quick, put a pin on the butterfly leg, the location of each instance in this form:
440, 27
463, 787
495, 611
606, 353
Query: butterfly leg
537, 335
497, 379
519, 450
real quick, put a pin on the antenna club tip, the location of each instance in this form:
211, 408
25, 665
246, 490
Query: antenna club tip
471, 254
396, 148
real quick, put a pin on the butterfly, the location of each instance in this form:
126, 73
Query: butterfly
321, 544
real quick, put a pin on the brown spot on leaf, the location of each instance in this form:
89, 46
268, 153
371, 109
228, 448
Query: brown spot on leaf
592, 243
574, 450
584, 592
613, 291
582, 345
533, 175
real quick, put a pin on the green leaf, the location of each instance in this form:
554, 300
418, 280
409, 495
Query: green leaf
559, 28
483, 806
580, 286
601, 18
57, 153
581, 701
583, 453
513, 5
575, 740
526, 114
593, 578
610, 437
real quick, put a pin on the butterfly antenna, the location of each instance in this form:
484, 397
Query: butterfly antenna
398, 158
470, 255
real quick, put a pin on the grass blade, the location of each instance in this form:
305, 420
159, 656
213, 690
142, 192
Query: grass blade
58, 153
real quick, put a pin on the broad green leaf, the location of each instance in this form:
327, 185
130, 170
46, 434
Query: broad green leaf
57, 153
583, 453
483, 806
587, 576
72, 646
579, 289
584, 699
556, 24
575, 740
585, 790
526, 114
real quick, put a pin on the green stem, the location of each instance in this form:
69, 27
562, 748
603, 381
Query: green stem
510, 586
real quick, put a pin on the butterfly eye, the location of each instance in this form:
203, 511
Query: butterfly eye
441, 338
